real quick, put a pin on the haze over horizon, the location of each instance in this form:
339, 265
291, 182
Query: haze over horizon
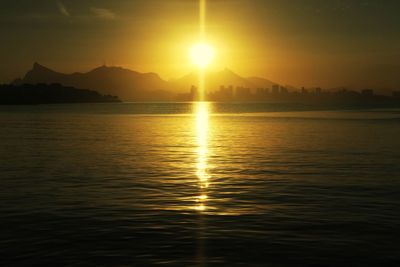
303, 43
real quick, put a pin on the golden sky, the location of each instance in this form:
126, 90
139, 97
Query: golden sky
301, 43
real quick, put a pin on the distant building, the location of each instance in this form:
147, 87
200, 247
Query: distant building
229, 91
275, 89
283, 90
260, 92
243, 93
194, 94
318, 90
226, 93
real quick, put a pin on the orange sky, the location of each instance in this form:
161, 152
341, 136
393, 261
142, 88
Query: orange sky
302, 43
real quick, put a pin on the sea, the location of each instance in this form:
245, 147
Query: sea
199, 184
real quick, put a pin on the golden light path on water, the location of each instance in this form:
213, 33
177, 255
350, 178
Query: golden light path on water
202, 124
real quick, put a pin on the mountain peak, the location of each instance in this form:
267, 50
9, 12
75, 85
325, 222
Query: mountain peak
39, 67
228, 70
105, 67
229, 74
39, 74
36, 65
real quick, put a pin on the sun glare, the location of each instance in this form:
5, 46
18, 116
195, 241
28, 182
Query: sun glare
202, 55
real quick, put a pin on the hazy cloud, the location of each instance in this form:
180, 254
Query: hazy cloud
63, 10
103, 13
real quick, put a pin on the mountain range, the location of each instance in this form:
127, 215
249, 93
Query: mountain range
131, 85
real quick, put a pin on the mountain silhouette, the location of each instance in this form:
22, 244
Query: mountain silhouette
127, 84
131, 85
225, 77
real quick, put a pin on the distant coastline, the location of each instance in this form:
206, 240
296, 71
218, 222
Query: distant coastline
28, 94
33, 94
42, 85
222, 86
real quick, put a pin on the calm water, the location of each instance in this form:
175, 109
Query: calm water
198, 185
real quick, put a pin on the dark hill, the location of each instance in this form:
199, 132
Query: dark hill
135, 86
49, 94
127, 84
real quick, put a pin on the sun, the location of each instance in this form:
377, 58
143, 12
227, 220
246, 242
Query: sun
202, 54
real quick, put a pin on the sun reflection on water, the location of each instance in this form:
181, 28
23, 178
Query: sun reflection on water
202, 124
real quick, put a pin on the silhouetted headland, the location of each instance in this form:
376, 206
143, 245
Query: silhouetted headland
50, 94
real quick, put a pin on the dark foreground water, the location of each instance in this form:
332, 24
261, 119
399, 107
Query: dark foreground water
198, 185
